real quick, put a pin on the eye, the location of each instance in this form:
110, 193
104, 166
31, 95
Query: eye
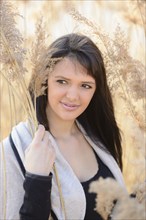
61, 81
86, 86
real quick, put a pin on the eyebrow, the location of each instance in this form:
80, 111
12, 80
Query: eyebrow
89, 82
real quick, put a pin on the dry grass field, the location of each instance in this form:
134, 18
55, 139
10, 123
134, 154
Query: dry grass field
124, 23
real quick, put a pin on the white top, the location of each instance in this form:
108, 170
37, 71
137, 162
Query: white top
73, 193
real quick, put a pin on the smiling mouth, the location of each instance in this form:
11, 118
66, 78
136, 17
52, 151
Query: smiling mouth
70, 107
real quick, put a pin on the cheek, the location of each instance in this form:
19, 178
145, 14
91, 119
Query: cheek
87, 98
92, 94
51, 95
54, 94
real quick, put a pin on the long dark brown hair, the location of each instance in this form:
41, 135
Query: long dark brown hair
98, 119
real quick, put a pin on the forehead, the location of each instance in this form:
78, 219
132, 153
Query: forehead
68, 67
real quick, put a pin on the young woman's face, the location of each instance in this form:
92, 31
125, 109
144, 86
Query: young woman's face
70, 90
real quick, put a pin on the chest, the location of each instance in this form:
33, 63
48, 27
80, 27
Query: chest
80, 156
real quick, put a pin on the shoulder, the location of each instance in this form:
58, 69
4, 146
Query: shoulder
21, 136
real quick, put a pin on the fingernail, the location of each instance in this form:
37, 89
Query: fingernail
40, 126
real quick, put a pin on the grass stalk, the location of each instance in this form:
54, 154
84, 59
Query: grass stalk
60, 191
3, 161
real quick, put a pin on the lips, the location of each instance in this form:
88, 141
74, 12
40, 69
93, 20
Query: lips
69, 107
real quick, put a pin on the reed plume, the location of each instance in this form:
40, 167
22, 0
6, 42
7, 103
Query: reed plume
12, 52
139, 190
38, 62
41, 61
135, 13
114, 202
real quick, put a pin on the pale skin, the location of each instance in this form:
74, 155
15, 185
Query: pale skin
70, 90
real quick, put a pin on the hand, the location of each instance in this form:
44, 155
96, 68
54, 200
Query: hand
40, 155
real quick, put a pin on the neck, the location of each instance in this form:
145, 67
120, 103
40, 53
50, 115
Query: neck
61, 129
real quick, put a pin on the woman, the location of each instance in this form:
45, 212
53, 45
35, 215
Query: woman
77, 132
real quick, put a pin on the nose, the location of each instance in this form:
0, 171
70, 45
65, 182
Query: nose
72, 93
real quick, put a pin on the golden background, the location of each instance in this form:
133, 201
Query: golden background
130, 15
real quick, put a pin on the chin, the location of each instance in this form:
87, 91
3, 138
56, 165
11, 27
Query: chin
68, 118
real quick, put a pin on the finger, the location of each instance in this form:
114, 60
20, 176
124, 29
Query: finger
39, 134
46, 137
